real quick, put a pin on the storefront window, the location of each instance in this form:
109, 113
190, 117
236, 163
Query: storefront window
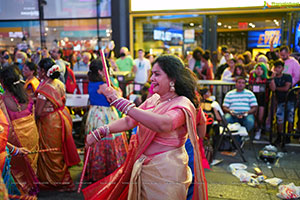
105, 8
167, 34
70, 9
17, 33
245, 32
19, 10
78, 35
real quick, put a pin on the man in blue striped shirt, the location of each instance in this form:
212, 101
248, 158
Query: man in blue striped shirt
240, 105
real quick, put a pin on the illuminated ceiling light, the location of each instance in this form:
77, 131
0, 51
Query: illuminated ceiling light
219, 23
12, 39
253, 26
250, 24
45, 34
275, 20
192, 24
200, 26
229, 27
46, 28
54, 29
225, 26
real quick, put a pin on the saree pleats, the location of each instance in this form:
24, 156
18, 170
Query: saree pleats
165, 176
52, 168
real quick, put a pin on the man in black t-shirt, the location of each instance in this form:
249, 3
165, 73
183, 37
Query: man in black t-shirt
281, 83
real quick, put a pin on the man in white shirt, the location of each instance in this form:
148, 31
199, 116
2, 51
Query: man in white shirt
143, 68
83, 65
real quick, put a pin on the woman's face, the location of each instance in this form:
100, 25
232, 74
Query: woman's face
27, 72
259, 71
231, 63
240, 61
160, 80
238, 71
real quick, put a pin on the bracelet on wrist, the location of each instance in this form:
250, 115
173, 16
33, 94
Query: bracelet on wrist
92, 132
12, 150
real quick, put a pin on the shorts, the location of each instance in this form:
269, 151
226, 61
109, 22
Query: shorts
280, 112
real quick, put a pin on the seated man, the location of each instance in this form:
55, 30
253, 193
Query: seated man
240, 105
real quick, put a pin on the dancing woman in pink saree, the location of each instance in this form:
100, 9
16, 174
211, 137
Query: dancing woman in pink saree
156, 166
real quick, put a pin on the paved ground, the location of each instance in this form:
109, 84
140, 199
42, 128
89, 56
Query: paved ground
221, 183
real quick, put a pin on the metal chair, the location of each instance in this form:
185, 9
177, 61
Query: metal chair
226, 131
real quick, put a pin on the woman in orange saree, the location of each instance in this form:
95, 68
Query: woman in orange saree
55, 129
24, 132
29, 72
4, 130
157, 163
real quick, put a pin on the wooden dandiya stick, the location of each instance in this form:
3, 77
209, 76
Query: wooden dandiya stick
44, 150
23, 197
89, 149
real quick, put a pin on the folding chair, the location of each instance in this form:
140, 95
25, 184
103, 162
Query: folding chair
226, 131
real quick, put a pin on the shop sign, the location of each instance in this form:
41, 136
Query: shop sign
167, 35
261, 39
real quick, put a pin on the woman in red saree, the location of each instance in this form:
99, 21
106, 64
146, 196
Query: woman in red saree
24, 132
55, 129
157, 163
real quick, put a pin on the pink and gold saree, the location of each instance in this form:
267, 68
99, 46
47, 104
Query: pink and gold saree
121, 183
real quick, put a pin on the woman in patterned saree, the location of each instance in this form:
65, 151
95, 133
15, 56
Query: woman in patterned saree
20, 110
109, 153
156, 166
55, 130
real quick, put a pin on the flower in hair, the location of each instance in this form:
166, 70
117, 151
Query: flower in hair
16, 82
54, 68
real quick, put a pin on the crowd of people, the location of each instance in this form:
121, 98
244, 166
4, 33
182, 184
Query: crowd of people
169, 118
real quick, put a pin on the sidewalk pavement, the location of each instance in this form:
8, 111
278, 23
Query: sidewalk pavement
223, 185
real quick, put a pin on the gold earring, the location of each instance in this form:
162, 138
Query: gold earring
172, 88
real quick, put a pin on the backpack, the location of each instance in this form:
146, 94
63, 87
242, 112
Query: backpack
70, 80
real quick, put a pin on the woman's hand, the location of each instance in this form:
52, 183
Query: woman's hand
23, 151
90, 140
109, 92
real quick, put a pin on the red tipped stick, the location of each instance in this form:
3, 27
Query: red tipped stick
89, 149
105, 68
84, 169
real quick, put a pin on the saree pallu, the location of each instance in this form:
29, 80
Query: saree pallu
55, 130
4, 131
3, 191
8, 179
108, 154
27, 134
31, 85
116, 185
164, 176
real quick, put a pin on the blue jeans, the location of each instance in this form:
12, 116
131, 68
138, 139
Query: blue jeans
247, 121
